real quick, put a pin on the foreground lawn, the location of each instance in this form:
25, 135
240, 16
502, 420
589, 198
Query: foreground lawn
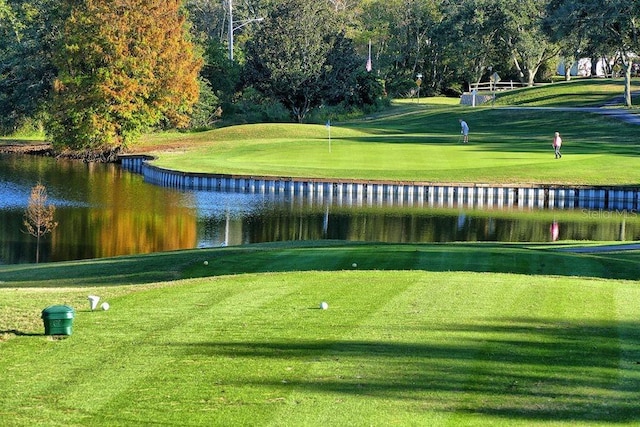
420, 142
444, 344
404, 348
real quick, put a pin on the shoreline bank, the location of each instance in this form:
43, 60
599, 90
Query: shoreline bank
395, 193
15, 147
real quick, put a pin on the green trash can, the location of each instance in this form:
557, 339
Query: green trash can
58, 320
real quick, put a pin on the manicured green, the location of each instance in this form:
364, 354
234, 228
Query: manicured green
420, 142
414, 335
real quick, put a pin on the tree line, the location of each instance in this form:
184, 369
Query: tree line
95, 74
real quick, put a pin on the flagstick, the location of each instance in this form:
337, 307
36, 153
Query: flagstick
329, 129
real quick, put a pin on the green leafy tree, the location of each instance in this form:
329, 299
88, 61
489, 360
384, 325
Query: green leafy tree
206, 110
7, 17
124, 65
611, 25
28, 31
472, 32
210, 21
524, 37
39, 218
222, 75
369, 91
288, 58
339, 76
405, 40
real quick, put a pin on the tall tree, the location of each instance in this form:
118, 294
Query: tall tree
124, 65
610, 24
523, 36
288, 58
28, 30
339, 76
222, 74
574, 43
405, 40
39, 216
472, 32
7, 16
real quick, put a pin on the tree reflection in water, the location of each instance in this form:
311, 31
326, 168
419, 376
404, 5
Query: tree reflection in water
105, 211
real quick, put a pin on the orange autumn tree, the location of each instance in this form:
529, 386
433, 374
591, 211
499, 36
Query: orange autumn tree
123, 66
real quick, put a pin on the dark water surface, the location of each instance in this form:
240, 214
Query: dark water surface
104, 211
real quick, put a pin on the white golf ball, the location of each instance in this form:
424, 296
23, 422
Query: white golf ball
206, 263
354, 265
105, 306
324, 305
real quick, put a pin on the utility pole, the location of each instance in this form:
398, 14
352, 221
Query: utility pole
232, 28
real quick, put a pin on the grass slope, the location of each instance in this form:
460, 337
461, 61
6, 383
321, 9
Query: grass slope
534, 259
575, 93
414, 335
420, 142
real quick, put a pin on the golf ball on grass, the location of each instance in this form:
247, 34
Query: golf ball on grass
105, 306
354, 265
324, 305
206, 263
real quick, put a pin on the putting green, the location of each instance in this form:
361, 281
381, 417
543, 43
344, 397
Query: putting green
420, 143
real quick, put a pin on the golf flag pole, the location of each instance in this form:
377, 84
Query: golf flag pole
329, 130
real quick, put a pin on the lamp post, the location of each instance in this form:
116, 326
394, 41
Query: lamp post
232, 28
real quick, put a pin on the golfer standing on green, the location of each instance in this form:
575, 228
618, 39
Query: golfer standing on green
557, 144
464, 130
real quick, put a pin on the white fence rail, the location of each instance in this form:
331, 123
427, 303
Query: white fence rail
495, 86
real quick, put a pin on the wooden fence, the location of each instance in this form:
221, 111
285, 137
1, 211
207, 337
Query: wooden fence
495, 86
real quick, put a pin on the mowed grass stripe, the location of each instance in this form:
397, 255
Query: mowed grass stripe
407, 347
122, 345
189, 374
231, 323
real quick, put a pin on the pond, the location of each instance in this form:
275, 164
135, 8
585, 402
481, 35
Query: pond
103, 211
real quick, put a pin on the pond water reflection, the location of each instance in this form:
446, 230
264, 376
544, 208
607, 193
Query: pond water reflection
104, 211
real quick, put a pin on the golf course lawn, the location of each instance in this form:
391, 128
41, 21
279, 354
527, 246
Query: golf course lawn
452, 334
421, 142
242, 340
